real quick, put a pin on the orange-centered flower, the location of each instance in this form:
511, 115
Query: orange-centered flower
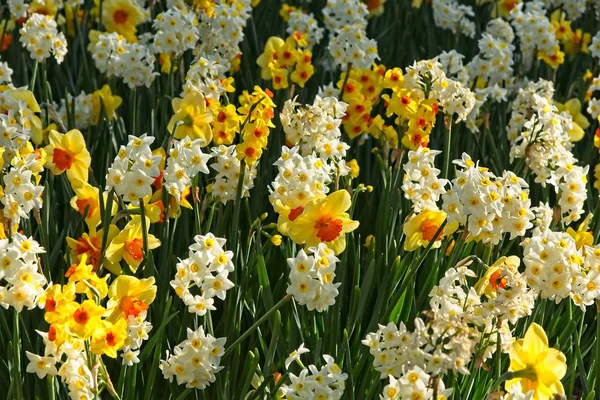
324, 220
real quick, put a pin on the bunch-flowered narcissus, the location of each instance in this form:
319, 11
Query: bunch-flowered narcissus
536, 366
324, 220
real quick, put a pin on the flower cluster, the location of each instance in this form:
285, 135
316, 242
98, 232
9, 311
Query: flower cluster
486, 205
414, 383
536, 34
19, 121
558, 267
80, 324
195, 361
133, 62
315, 127
257, 110
41, 38
282, 59
175, 31
451, 15
419, 95
420, 183
21, 191
134, 170
351, 47
207, 77
306, 25
206, 268
25, 285
327, 382
223, 31
185, 162
311, 278
228, 169
464, 321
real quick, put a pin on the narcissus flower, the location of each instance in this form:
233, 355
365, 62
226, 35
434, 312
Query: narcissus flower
85, 319
129, 245
109, 337
192, 118
493, 279
67, 152
324, 220
87, 202
90, 245
103, 99
536, 365
122, 16
421, 228
129, 296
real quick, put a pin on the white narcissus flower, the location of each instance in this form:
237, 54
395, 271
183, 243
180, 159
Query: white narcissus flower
41, 366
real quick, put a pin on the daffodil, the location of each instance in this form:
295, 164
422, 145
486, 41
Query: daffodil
129, 296
67, 152
536, 366
90, 245
122, 16
324, 220
493, 279
109, 337
103, 99
87, 202
128, 245
85, 319
580, 122
421, 228
192, 118
273, 44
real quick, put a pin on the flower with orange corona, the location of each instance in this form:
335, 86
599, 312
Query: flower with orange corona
324, 220
421, 229
129, 296
67, 153
128, 245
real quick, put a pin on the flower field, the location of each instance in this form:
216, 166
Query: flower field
312, 199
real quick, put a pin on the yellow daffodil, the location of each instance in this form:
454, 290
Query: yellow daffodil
492, 280
85, 319
421, 228
354, 168
109, 337
58, 302
324, 220
273, 44
90, 245
87, 202
580, 122
103, 99
129, 296
192, 118
537, 366
67, 152
128, 245
122, 16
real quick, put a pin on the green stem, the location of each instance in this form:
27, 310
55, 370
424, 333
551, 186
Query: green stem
17, 356
447, 142
258, 323
236, 207
33, 77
